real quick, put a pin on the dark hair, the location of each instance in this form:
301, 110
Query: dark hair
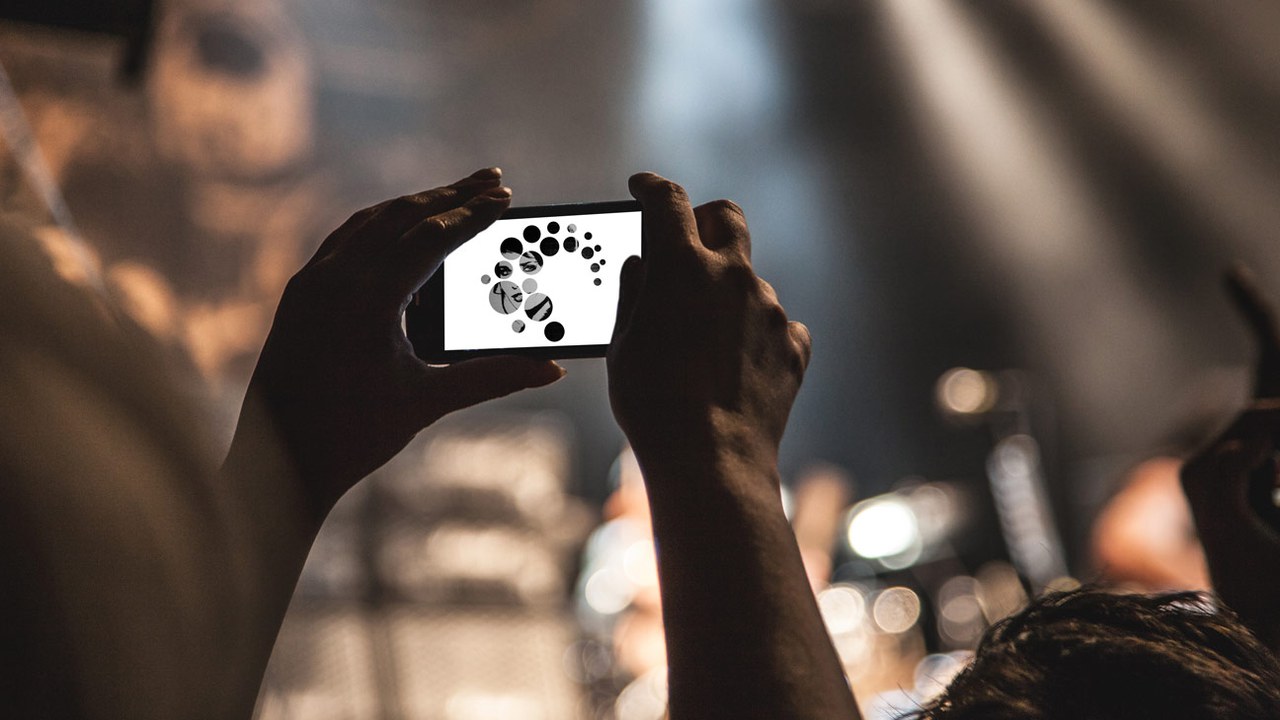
1089, 654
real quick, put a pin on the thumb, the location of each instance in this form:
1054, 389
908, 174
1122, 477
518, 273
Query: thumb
471, 382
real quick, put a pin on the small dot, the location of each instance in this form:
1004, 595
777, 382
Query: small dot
601, 261
553, 227
597, 281
588, 252
554, 331
587, 236
518, 326
531, 233
595, 267
485, 279
572, 228
530, 285
597, 248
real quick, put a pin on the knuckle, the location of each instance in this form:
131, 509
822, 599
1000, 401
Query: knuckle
434, 226
673, 192
403, 203
723, 217
740, 277
363, 215
726, 209
775, 315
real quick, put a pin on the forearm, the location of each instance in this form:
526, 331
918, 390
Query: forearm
271, 531
744, 637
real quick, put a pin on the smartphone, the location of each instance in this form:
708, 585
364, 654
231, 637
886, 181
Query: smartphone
541, 281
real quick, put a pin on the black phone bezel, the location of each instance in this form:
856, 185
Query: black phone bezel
424, 316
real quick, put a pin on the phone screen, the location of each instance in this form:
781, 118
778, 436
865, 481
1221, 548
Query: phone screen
538, 278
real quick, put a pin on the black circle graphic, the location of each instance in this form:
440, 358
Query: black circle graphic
502, 269
538, 308
553, 227
587, 236
518, 326
597, 248
505, 297
570, 244
602, 261
595, 267
554, 331
550, 246
530, 262
531, 234
511, 248
597, 281
588, 252
485, 279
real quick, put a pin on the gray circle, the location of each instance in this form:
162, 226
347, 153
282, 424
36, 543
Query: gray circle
530, 262
538, 308
505, 297
530, 285
485, 279
517, 325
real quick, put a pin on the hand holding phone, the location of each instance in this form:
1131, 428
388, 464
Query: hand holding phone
541, 281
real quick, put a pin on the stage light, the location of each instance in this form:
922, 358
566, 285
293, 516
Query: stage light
640, 563
882, 528
645, 698
961, 391
607, 592
895, 610
843, 609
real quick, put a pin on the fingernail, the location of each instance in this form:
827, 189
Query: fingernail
500, 193
490, 172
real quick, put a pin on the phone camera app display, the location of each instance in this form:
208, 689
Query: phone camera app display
542, 281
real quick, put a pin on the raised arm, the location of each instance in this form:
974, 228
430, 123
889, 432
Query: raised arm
338, 391
1231, 484
703, 370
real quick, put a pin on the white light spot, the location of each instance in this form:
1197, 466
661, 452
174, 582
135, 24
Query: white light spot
882, 528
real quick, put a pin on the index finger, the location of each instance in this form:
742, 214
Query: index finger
670, 229
418, 253
373, 227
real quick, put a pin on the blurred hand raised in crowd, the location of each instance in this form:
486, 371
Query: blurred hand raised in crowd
1231, 483
337, 378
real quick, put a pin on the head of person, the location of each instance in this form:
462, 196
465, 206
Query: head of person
1102, 656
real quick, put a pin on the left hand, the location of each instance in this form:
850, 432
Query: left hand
337, 376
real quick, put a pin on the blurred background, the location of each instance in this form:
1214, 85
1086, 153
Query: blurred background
1005, 224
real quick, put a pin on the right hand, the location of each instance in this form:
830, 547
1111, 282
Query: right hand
703, 358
